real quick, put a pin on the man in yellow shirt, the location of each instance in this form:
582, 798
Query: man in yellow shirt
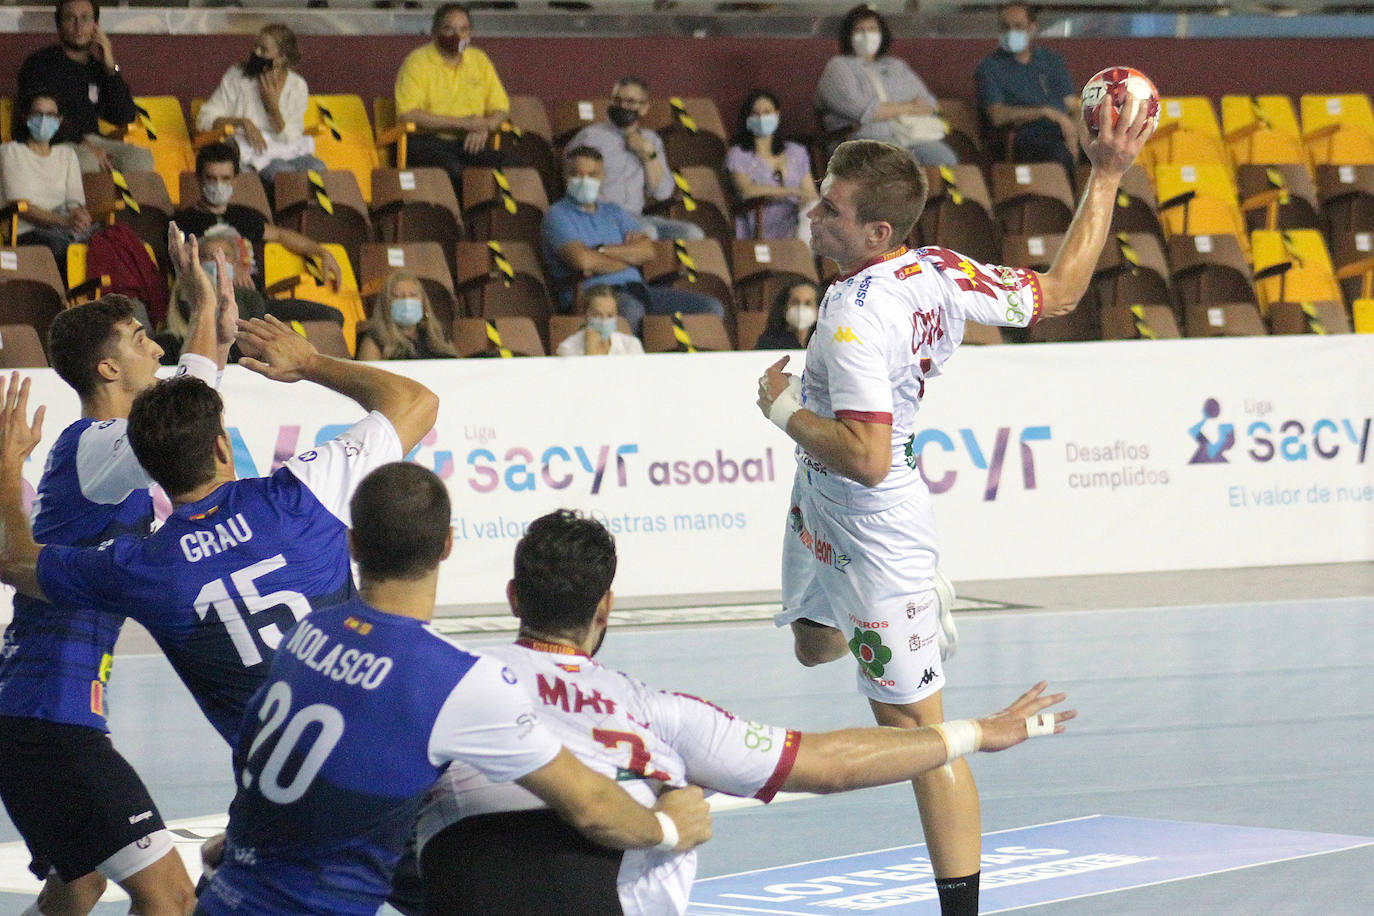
451, 92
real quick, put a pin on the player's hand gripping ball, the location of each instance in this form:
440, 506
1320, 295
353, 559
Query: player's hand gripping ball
1117, 92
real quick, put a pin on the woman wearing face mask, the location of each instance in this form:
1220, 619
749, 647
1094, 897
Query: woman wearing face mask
264, 100
599, 337
762, 164
877, 94
402, 325
45, 173
791, 319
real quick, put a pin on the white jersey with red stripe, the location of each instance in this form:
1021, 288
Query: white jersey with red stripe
641, 737
882, 331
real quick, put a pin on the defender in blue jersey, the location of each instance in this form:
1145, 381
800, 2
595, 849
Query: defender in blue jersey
83, 811
239, 561
365, 705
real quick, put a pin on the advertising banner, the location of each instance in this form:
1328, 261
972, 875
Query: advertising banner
1044, 460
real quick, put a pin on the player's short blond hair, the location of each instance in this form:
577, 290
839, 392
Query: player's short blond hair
892, 185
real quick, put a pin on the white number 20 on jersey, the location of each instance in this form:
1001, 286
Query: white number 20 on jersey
276, 706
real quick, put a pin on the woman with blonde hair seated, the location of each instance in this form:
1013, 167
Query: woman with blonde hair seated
402, 324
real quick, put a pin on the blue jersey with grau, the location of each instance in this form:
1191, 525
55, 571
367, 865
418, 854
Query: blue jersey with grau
56, 660
360, 714
220, 582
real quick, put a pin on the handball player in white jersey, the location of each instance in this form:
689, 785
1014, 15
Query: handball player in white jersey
860, 555
487, 846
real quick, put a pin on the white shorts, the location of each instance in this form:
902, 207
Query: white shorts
869, 577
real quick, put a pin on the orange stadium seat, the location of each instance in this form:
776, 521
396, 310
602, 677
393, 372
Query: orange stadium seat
1338, 129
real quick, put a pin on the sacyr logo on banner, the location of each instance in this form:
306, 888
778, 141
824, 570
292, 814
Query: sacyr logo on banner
916, 447
1293, 439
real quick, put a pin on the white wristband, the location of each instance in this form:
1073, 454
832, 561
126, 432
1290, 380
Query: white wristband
670, 836
786, 404
1038, 726
962, 736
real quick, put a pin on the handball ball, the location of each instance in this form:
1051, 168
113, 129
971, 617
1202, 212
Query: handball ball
1124, 88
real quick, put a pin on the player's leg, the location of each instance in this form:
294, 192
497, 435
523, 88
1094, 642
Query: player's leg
160, 885
68, 898
816, 643
950, 814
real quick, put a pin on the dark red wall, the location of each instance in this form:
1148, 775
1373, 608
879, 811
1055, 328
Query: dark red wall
726, 68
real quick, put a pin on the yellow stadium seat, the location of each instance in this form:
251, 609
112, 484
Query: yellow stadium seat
1364, 316
289, 274
1338, 129
1261, 130
1188, 132
1292, 266
1198, 200
343, 137
161, 128
6, 119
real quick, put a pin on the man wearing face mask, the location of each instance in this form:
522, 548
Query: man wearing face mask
1025, 90
588, 240
216, 166
451, 92
81, 73
635, 161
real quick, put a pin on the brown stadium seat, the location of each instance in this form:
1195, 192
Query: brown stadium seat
1146, 321
1210, 270
31, 289
1031, 197
20, 348
505, 203
1319, 317
1132, 268
684, 333
1277, 196
499, 278
416, 205
762, 269
697, 266
700, 199
500, 337
138, 200
962, 131
1226, 319
692, 131
1352, 254
327, 337
958, 214
1346, 193
423, 259
527, 139
749, 327
568, 116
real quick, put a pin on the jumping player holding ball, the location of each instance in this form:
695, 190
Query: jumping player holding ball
859, 557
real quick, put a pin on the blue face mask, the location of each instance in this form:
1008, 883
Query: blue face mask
1014, 41
212, 269
43, 127
603, 326
762, 125
407, 311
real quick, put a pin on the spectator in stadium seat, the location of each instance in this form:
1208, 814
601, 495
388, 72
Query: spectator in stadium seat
81, 73
45, 174
636, 164
1025, 90
878, 94
599, 337
762, 164
585, 239
791, 319
402, 324
216, 166
451, 92
264, 100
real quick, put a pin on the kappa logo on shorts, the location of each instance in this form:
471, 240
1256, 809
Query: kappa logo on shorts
927, 677
873, 656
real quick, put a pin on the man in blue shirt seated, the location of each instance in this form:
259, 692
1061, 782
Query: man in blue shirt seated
238, 562
1025, 90
364, 707
586, 239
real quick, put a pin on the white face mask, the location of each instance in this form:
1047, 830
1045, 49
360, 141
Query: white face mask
583, 189
866, 43
217, 193
800, 316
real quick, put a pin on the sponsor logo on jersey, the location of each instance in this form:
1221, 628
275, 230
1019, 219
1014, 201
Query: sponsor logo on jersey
910, 270
556, 694
104, 424
143, 842
910, 610
140, 817
106, 666
868, 648
862, 292
571, 669
823, 550
845, 334
362, 627
916, 643
794, 518
308, 456
868, 624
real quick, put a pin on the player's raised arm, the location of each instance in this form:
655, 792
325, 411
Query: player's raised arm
286, 356
857, 758
18, 551
1116, 146
214, 310
605, 813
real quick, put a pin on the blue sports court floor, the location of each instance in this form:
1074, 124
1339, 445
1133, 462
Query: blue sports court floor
1222, 761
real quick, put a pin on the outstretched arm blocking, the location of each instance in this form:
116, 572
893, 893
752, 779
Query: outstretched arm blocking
18, 437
